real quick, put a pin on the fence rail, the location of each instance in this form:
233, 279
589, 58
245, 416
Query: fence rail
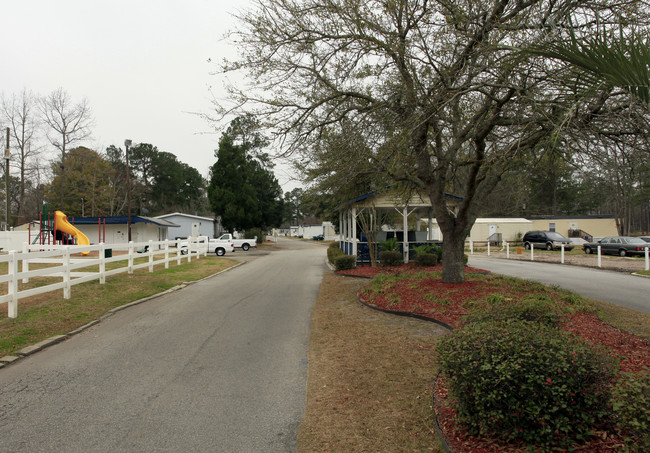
66, 266
531, 252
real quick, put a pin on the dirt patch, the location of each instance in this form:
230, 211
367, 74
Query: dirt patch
370, 376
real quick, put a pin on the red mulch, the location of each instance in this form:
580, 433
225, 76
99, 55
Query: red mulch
633, 351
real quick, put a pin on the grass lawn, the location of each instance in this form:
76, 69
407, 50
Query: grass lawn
46, 315
370, 376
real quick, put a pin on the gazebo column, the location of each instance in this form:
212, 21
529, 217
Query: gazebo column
405, 215
341, 234
354, 231
346, 221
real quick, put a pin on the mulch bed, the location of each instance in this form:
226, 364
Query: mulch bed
633, 352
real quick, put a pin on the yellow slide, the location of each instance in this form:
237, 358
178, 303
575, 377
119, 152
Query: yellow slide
61, 223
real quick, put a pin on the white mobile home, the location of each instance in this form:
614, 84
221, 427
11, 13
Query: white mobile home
189, 225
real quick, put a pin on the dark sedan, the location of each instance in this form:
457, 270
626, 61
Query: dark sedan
617, 245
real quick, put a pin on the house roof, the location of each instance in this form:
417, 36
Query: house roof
502, 220
180, 214
120, 220
570, 217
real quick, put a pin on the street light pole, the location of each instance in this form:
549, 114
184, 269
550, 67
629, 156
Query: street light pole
7, 155
127, 143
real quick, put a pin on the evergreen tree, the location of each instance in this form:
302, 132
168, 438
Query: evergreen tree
243, 189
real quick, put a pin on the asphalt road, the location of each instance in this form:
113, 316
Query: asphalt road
614, 287
219, 366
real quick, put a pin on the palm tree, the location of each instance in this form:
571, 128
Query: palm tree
618, 61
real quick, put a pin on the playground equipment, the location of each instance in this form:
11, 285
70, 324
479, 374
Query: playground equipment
54, 226
61, 224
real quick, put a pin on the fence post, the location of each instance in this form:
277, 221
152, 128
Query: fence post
66, 273
599, 257
25, 261
507, 251
150, 255
178, 252
647, 259
189, 249
488, 244
562, 253
532, 252
130, 265
166, 253
102, 264
12, 289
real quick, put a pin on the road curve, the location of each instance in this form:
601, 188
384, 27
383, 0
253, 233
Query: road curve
615, 287
218, 366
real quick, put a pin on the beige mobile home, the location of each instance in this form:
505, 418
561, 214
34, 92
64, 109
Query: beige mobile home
581, 226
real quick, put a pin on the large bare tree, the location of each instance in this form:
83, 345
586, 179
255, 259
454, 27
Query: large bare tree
19, 111
68, 124
433, 85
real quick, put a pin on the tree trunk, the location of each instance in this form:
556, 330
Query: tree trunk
453, 257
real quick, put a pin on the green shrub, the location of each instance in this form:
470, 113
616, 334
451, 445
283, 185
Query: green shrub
345, 262
255, 232
389, 245
426, 259
333, 253
535, 307
437, 250
422, 249
525, 380
631, 404
387, 258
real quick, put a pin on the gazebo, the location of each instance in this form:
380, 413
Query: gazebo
374, 205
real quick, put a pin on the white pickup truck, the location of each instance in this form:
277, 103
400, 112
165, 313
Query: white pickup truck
220, 248
244, 244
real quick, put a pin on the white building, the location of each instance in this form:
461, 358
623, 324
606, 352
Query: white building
114, 230
189, 225
110, 230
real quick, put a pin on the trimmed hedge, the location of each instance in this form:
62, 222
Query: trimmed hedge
426, 259
522, 380
391, 258
345, 262
333, 252
535, 307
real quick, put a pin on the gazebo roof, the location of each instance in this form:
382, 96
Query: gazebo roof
390, 198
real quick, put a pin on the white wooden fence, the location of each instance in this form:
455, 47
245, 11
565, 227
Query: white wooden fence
65, 266
598, 254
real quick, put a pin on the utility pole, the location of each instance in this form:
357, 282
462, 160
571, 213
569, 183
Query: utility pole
7, 154
128, 143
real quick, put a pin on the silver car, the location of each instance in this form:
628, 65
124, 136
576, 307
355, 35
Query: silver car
617, 245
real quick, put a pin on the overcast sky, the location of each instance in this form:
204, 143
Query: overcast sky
142, 65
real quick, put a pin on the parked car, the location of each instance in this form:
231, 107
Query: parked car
549, 240
318, 237
645, 238
617, 245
